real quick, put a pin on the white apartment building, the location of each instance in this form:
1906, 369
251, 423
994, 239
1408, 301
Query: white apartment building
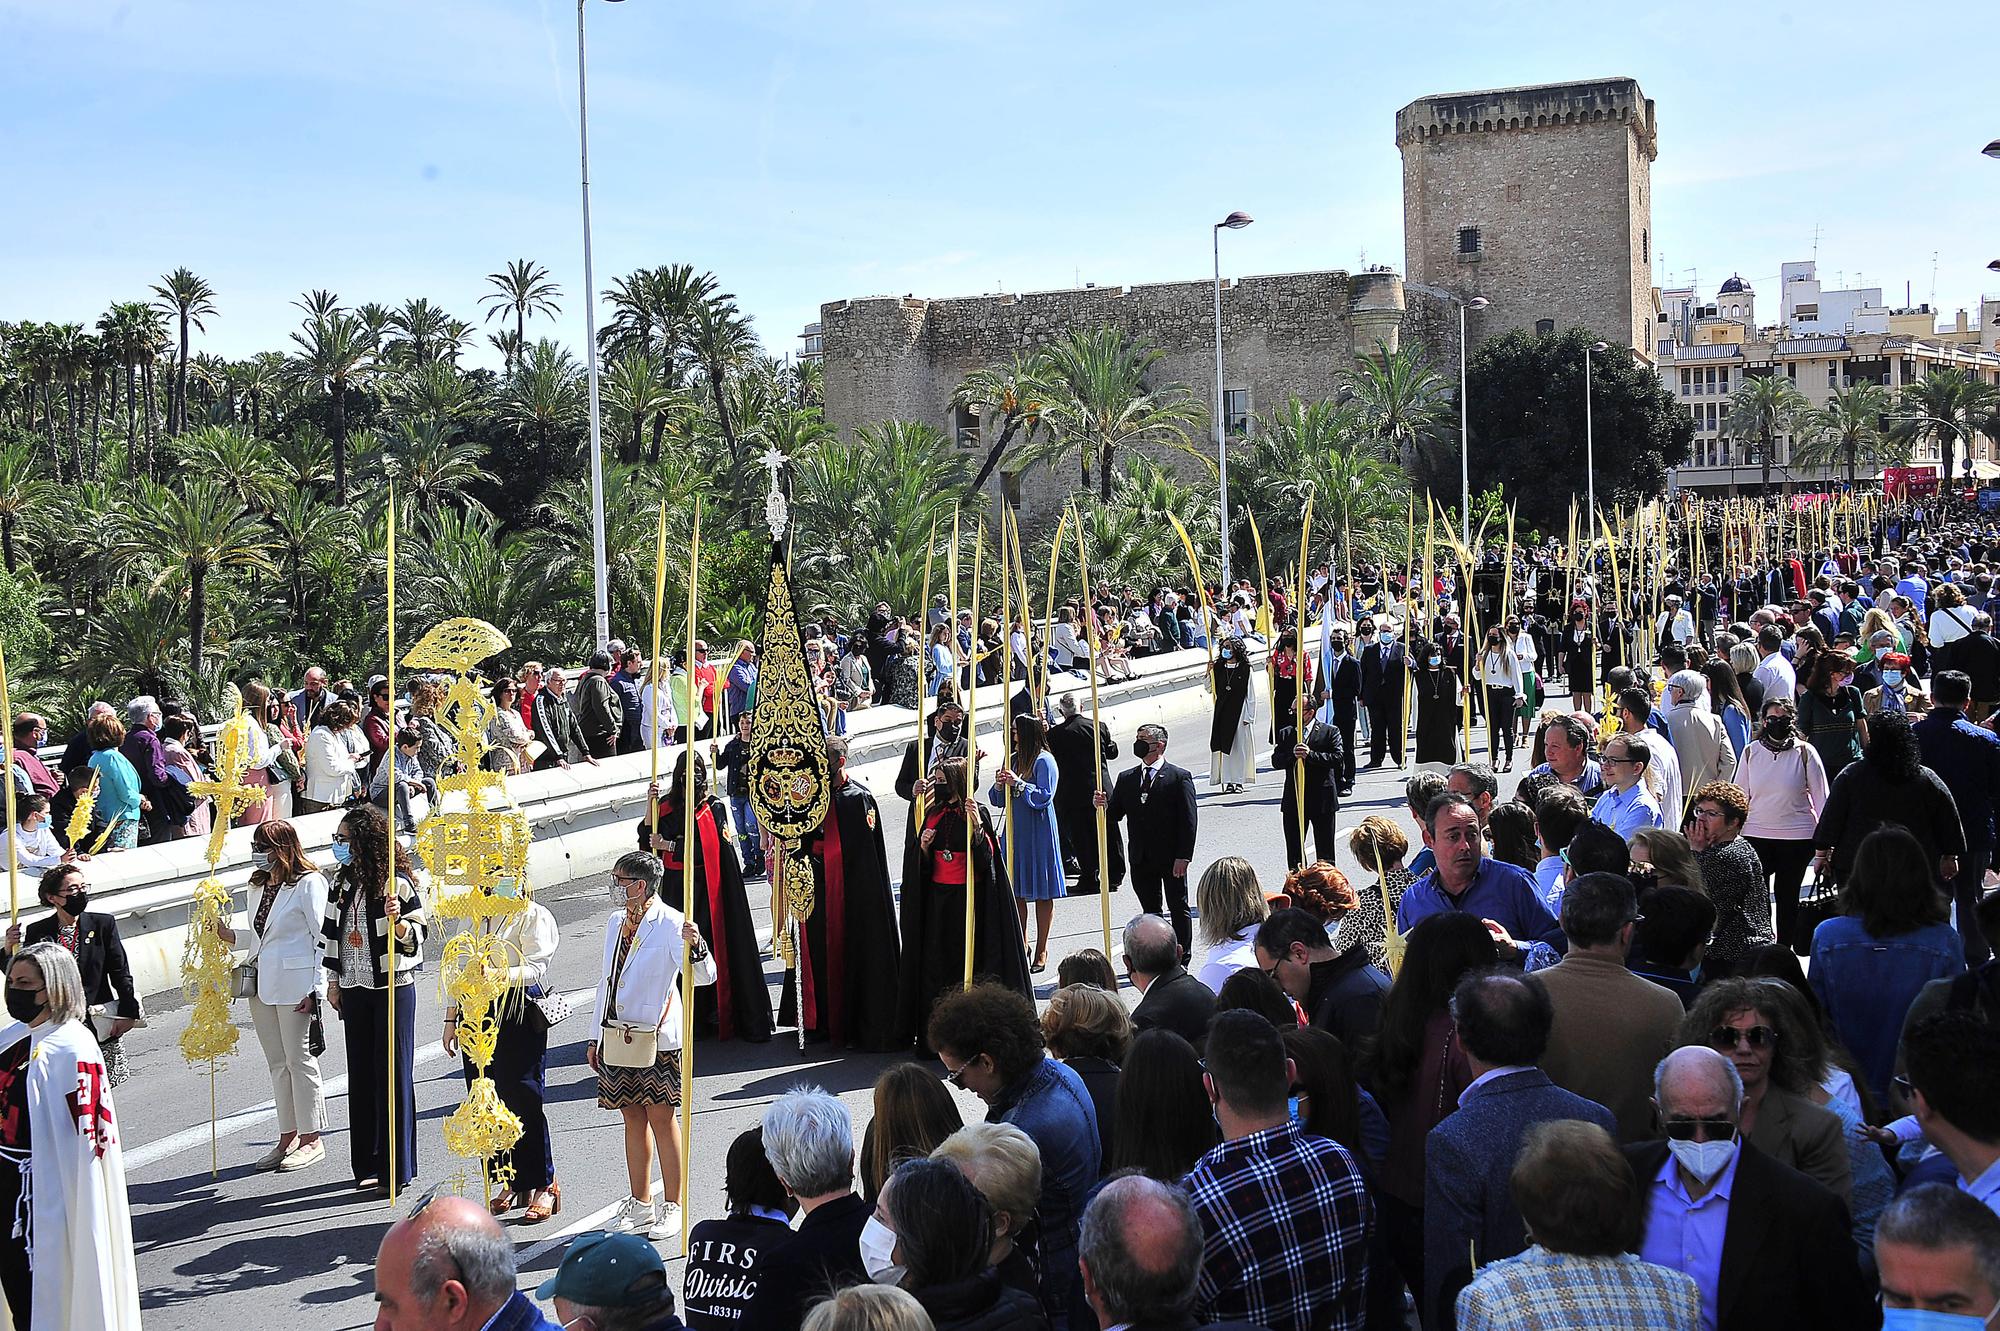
1807, 309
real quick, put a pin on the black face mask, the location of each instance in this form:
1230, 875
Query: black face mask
78, 902
1141, 750
948, 730
23, 1005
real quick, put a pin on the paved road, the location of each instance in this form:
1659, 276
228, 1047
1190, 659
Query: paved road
249, 1249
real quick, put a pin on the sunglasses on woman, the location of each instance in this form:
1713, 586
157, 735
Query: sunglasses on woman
1726, 1038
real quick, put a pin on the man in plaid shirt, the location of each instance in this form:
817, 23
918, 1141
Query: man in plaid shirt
1284, 1214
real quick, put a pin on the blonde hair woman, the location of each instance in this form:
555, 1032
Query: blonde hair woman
1232, 906
1005, 1165
868, 1308
1668, 855
1380, 847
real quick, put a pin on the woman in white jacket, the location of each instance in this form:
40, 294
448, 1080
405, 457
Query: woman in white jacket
638, 990
331, 771
288, 903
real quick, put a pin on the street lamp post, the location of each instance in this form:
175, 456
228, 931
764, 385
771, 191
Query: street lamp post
1236, 221
1590, 444
600, 591
1464, 435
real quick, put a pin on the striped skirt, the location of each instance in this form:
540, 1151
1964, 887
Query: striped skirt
622, 1088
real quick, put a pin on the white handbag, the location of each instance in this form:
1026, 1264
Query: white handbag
625, 1044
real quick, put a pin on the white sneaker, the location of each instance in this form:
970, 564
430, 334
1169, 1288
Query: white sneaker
303, 1158
634, 1214
668, 1224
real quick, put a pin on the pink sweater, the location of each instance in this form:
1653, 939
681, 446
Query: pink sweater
1787, 790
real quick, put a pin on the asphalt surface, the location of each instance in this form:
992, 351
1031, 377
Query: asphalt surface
246, 1249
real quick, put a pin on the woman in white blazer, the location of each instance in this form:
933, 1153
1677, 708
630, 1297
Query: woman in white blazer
639, 986
332, 773
287, 908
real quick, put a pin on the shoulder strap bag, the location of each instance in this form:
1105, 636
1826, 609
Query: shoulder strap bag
626, 1044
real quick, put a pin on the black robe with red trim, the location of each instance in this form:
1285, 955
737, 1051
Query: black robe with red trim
738, 1005
934, 924
849, 964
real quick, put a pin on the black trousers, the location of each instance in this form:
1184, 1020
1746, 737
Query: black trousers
1499, 724
16, 1275
1153, 879
1385, 732
519, 1070
1320, 811
364, 1017
1785, 863
1343, 723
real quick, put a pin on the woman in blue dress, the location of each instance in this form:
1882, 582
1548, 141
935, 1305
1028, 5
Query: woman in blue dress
1031, 848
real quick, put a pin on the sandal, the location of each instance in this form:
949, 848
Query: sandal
504, 1201
546, 1203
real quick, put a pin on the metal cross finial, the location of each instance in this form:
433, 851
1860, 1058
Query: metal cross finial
773, 460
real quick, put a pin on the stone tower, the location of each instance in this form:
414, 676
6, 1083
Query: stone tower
1539, 199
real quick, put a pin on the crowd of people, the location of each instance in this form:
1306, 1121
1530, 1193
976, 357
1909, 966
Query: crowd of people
1683, 1032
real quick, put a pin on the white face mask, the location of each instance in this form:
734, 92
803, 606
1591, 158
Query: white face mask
878, 1247
1704, 1160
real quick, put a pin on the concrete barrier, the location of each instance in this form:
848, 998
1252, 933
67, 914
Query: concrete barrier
583, 816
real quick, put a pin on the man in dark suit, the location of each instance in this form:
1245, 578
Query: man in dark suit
1173, 1000
1383, 668
1504, 1019
1157, 799
100, 955
1078, 746
945, 740
1767, 1246
1966, 758
1322, 755
1140, 1255
1340, 685
809, 1141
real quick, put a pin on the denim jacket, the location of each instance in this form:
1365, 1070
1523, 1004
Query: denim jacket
1052, 1105
1867, 985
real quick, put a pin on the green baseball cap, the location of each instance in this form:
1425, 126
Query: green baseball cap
600, 1269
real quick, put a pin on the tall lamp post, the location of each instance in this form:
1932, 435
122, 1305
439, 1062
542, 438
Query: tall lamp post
599, 590
1236, 221
1590, 443
1464, 434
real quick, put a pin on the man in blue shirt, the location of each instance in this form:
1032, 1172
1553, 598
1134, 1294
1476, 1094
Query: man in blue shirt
1626, 805
1464, 879
1966, 758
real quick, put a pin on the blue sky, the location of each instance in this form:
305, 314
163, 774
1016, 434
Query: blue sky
805, 151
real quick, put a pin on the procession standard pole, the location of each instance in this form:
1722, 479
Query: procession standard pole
1299, 675
1096, 737
969, 808
930, 550
394, 1163
687, 884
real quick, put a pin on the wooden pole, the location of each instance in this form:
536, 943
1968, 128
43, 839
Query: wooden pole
687, 884
394, 1161
1096, 737
970, 807
1299, 674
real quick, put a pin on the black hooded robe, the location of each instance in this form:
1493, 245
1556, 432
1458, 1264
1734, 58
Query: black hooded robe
1232, 687
738, 1005
850, 957
934, 923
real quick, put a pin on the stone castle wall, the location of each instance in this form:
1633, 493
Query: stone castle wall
1558, 181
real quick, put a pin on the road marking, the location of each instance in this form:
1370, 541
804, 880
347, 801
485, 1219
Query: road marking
243, 1120
595, 1220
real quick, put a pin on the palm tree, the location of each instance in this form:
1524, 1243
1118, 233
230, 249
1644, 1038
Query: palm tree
432, 467
239, 462
1407, 407
634, 391
1327, 451
318, 303
258, 379
334, 354
522, 288
24, 494
1126, 546
1102, 403
423, 326
304, 526
376, 321
129, 643
1849, 430
545, 397
721, 339
432, 392
464, 565
864, 508
1762, 408
1948, 406
508, 343
192, 300
68, 350
199, 531
653, 310
1015, 392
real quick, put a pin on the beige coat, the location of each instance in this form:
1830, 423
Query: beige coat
1702, 746
1611, 1029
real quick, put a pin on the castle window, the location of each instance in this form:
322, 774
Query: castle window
965, 427
1545, 327
1236, 410
1645, 245
1468, 240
